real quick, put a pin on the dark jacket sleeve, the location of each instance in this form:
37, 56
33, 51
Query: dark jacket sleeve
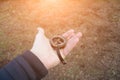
24, 67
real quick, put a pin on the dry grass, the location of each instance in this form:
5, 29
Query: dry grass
96, 57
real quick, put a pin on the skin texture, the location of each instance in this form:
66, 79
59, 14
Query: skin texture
43, 50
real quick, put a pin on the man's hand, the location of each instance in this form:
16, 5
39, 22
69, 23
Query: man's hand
47, 55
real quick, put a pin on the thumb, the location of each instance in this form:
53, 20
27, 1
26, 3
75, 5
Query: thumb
40, 35
40, 30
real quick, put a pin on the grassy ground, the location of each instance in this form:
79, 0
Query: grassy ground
96, 57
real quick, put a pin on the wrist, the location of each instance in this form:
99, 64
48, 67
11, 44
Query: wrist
40, 58
35, 64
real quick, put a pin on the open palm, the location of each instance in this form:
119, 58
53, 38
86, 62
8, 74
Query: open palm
47, 55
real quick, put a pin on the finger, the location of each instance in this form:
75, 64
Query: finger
71, 44
70, 36
79, 34
68, 33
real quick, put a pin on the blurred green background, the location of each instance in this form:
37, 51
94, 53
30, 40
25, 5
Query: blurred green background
97, 55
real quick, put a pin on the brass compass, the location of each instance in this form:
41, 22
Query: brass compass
58, 42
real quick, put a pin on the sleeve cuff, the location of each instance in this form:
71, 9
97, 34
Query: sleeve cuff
38, 67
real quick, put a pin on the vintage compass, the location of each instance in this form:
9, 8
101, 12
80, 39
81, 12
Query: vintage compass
58, 42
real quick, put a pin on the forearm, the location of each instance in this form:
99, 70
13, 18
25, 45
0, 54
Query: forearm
25, 67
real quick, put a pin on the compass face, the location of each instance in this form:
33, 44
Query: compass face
58, 41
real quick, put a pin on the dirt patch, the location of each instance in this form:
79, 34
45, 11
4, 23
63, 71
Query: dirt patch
96, 57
